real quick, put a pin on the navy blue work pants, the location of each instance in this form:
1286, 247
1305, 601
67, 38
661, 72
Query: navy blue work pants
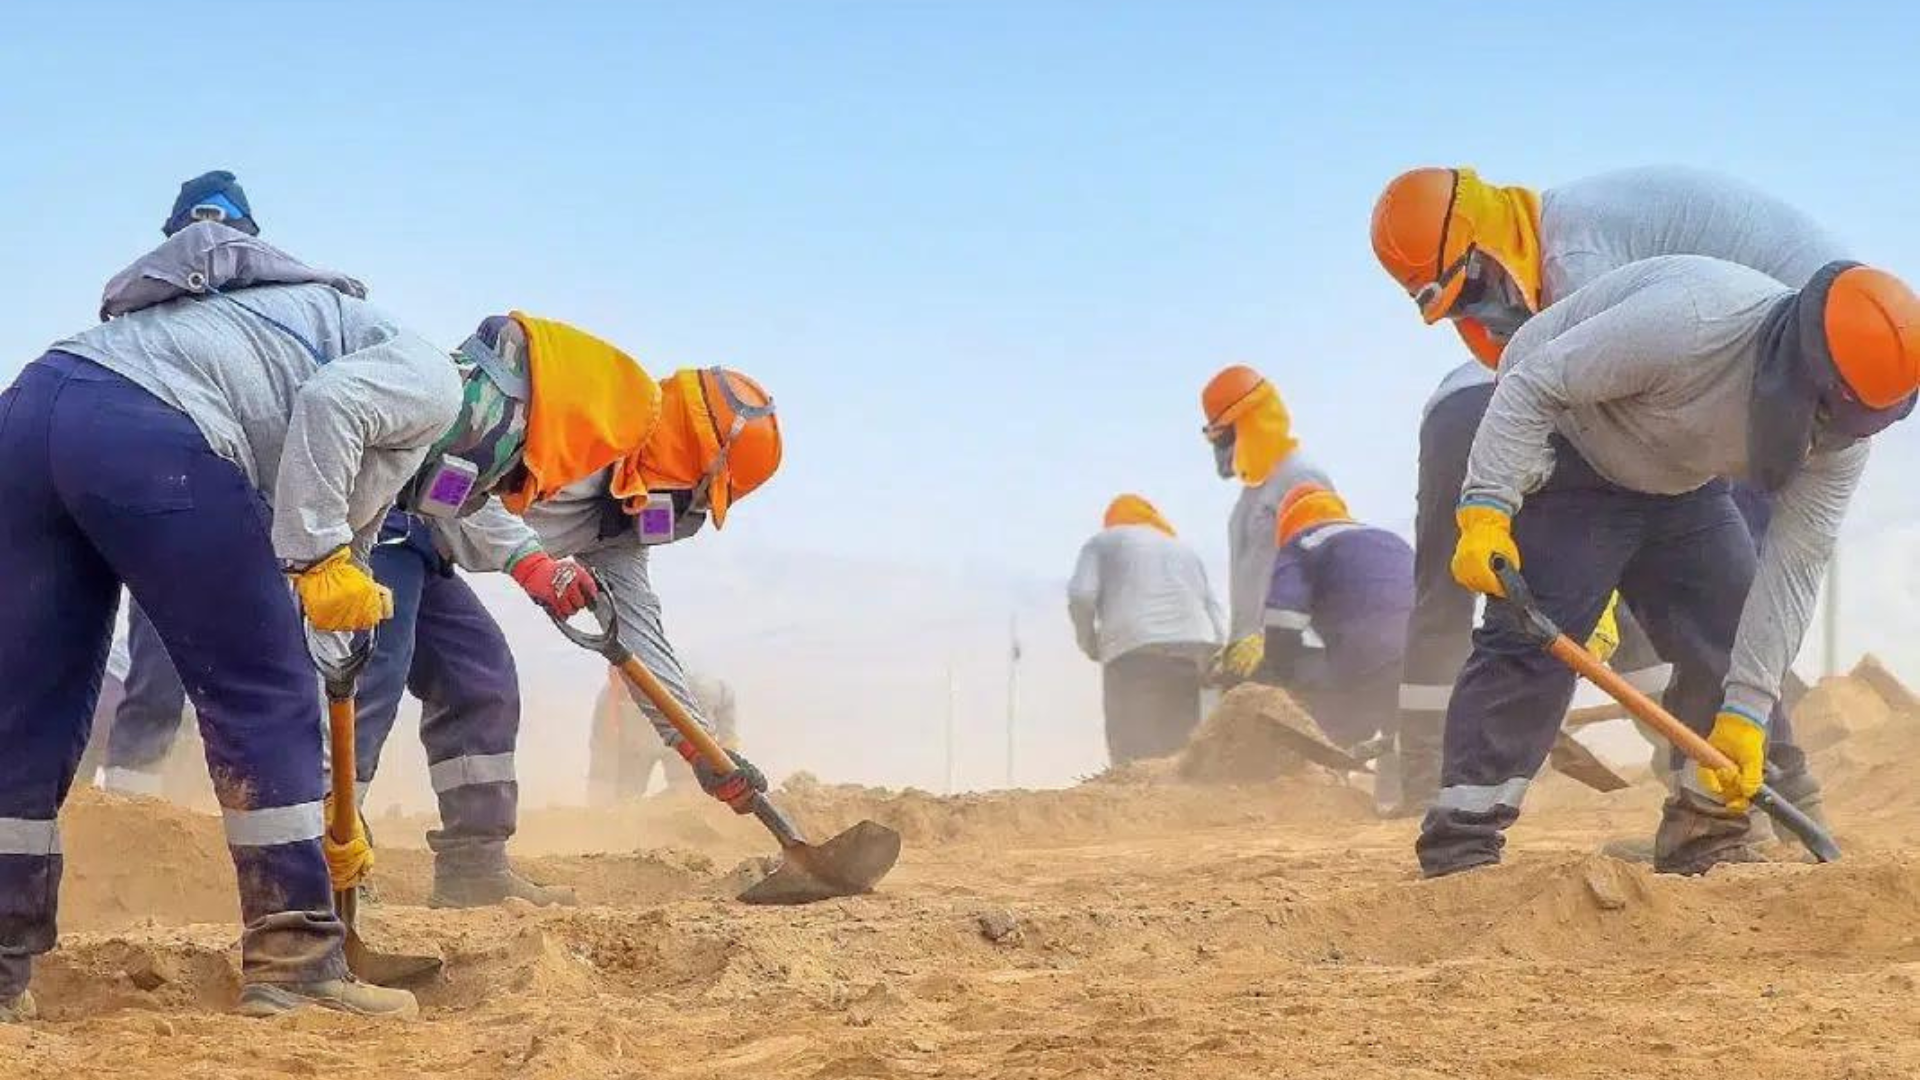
106, 485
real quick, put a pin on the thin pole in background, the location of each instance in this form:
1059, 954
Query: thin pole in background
1013, 687
953, 706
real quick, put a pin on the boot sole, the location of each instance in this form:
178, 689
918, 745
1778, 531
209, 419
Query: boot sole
264, 1000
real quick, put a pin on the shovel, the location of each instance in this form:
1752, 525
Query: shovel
847, 865
1570, 759
1564, 649
342, 680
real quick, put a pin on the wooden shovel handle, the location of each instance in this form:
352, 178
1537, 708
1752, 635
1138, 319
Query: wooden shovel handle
1647, 710
670, 707
346, 803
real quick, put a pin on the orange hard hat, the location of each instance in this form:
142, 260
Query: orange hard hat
1410, 235
748, 434
1304, 506
1872, 324
1228, 394
1133, 509
717, 435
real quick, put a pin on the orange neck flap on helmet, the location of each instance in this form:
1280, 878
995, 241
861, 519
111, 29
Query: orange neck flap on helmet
1134, 510
698, 420
1501, 222
1262, 436
592, 404
1303, 507
1428, 220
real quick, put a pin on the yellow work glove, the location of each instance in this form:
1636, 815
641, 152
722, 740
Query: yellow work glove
348, 863
1242, 658
337, 595
1605, 639
1484, 533
1744, 741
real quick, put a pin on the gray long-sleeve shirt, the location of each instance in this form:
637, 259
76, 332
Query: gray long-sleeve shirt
569, 525
488, 540
1250, 543
1134, 587
329, 443
1648, 372
1600, 223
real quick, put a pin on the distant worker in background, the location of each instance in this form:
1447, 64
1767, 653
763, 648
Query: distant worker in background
1352, 585
1141, 608
1253, 442
623, 747
1486, 258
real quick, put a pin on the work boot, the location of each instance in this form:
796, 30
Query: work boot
19, 1009
348, 995
1697, 834
471, 890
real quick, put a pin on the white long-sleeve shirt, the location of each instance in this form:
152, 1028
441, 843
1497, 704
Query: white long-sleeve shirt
1135, 587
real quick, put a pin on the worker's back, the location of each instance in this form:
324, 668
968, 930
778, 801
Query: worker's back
1145, 589
1360, 580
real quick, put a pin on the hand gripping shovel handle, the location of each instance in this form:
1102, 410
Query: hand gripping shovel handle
342, 680
1652, 713
607, 643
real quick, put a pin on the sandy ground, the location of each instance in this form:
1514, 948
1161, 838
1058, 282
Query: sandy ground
1146, 927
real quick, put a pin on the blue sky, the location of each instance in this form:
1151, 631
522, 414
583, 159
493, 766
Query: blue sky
984, 255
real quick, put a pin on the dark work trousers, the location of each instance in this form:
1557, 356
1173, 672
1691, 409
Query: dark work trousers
446, 649
1355, 708
103, 485
1152, 703
1683, 562
148, 719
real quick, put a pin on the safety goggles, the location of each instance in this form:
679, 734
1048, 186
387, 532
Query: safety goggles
743, 414
216, 208
1429, 296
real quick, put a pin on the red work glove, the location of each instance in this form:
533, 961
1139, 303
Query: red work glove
736, 788
562, 586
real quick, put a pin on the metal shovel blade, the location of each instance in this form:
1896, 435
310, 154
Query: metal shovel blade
1569, 758
1818, 841
372, 966
847, 865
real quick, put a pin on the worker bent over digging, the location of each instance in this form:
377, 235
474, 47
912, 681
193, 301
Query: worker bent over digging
240, 420
1619, 414
1352, 585
1485, 258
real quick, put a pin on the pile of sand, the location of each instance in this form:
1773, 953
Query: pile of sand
1141, 926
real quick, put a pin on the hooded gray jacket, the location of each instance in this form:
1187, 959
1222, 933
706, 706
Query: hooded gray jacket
325, 402
1648, 372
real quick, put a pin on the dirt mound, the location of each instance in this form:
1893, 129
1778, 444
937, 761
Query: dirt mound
1865, 700
1252, 737
1089, 811
196, 969
130, 860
